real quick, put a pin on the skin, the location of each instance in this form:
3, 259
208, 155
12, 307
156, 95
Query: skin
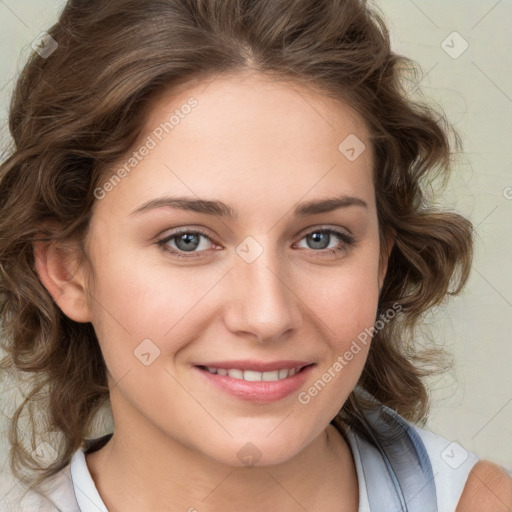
261, 147
488, 489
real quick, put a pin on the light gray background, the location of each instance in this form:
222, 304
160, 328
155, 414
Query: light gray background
473, 403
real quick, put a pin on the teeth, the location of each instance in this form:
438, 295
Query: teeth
252, 376
249, 375
272, 375
236, 374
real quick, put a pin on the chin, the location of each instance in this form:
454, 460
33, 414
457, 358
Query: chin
258, 452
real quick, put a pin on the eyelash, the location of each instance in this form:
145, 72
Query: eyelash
348, 241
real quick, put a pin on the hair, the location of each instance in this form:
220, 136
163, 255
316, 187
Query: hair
76, 112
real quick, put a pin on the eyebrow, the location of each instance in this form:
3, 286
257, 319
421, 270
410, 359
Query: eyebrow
220, 209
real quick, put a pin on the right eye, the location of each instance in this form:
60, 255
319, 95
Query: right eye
185, 241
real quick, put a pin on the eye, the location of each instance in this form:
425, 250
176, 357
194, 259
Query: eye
322, 238
187, 244
184, 242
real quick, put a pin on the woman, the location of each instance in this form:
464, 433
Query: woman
214, 221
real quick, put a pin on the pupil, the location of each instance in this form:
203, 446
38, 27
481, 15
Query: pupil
187, 240
317, 239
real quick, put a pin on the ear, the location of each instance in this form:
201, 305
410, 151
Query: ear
384, 258
58, 270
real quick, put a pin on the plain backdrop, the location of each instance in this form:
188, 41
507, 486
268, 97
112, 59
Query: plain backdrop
472, 404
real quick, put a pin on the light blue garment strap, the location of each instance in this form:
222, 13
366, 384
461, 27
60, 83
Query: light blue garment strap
395, 463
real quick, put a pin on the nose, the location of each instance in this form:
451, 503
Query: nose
264, 305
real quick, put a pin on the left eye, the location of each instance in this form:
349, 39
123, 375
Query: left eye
319, 237
189, 241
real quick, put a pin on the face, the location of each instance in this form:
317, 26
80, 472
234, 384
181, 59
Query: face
260, 284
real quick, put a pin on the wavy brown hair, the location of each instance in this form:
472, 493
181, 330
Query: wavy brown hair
79, 110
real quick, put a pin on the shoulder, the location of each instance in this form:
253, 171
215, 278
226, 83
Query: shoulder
464, 482
488, 489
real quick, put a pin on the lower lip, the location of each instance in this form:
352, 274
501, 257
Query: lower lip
258, 391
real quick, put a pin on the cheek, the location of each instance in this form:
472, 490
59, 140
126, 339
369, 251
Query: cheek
146, 308
352, 315
348, 311
346, 298
352, 303
347, 306
137, 295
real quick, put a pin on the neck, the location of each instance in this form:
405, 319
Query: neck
132, 473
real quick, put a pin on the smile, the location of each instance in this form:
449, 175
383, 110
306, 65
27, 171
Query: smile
261, 385
253, 376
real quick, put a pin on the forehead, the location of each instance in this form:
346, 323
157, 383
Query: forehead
248, 138
258, 103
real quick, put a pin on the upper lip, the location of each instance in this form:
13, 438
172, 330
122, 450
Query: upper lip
257, 366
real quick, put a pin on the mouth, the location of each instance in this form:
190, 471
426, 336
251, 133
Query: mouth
253, 375
257, 382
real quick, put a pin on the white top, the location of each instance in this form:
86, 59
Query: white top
451, 465
73, 489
